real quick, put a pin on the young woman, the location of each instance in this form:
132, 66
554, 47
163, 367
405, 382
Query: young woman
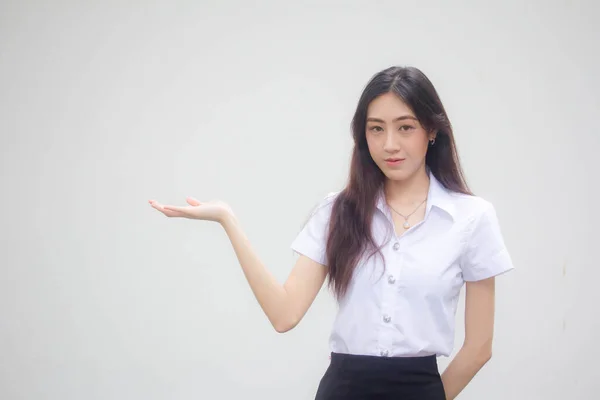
396, 245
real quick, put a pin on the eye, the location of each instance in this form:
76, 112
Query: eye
406, 128
375, 128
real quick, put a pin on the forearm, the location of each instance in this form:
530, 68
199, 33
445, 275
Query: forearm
461, 370
270, 294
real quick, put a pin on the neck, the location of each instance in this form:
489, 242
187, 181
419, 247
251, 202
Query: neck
409, 191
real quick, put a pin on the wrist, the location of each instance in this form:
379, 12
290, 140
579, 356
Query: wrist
227, 220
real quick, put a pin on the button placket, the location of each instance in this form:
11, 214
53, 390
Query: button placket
395, 274
389, 302
388, 305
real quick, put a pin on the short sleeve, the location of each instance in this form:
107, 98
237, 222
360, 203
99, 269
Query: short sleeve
485, 253
311, 241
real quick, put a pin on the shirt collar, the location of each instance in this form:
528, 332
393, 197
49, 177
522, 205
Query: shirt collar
438, 196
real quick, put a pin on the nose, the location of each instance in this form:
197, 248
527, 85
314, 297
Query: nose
390, 145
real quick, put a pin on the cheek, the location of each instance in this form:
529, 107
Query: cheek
417, 147
372, 146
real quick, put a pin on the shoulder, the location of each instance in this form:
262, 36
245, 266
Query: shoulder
471, 208
478, 221
313, 236
330, 197
484, 253
326, 203
320, 213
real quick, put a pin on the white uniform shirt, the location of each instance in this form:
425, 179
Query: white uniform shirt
410, 309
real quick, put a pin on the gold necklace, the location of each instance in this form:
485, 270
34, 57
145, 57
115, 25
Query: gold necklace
406, 225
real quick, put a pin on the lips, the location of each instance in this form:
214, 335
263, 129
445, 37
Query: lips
393, 162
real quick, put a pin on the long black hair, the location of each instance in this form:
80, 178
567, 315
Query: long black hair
349, 234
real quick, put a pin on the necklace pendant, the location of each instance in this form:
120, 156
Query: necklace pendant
406, 225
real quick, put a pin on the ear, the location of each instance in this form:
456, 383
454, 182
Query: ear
432, 134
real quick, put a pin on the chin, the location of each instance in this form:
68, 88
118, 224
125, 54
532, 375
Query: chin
396, 175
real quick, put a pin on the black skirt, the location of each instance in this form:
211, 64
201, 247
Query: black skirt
363, 377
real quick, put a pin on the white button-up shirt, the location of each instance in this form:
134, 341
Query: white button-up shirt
409, 308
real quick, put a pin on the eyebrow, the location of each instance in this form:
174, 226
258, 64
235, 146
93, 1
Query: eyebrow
394, 120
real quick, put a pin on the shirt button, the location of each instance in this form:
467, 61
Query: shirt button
386, 318
396, 246
391, 280
384, 353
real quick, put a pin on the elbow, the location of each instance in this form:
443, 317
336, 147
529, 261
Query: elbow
284, 325
480, 354
282, 328
485, 356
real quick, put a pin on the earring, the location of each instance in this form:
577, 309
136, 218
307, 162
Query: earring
432, 141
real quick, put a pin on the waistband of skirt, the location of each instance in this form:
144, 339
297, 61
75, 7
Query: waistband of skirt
418, 363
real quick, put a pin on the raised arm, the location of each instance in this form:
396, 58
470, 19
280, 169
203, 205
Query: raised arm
284, 305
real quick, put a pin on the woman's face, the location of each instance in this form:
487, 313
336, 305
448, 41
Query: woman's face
397, 142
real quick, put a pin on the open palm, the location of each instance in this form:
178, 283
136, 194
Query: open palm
209, 211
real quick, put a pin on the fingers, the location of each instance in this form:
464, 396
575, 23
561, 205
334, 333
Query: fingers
155, 204
173, 214
175, 209
169, 211
192, 201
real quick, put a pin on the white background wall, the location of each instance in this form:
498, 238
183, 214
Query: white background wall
104, 106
